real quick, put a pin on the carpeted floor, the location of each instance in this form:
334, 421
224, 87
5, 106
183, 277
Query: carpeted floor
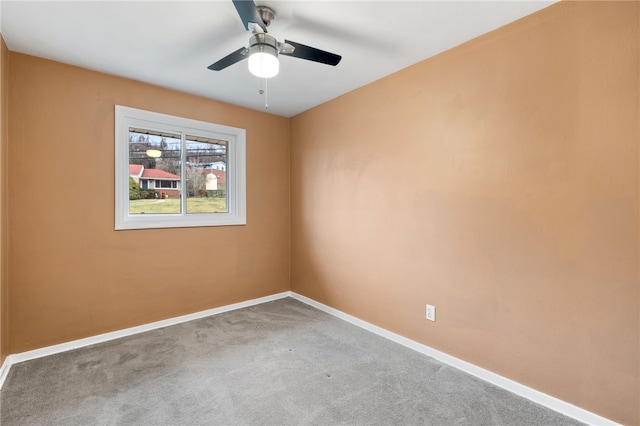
278, 363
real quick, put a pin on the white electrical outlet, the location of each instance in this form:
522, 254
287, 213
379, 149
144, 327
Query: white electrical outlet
431, 313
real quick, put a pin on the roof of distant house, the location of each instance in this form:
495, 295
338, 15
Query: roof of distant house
134, 169
158, 174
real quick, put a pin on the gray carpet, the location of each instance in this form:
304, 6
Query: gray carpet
278, 363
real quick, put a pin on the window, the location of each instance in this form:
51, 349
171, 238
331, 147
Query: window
165, 184
177, 172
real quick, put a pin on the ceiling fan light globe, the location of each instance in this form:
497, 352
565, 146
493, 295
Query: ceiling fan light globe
264, 64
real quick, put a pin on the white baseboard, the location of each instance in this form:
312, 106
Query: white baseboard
486, 375
507, 384
4, 370
75, 344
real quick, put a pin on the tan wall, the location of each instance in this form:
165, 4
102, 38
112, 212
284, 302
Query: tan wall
72, 275
4, 111
499, 182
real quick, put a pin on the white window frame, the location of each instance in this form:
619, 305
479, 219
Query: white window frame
126, 117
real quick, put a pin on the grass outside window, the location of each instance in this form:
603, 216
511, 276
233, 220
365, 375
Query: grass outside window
171, 205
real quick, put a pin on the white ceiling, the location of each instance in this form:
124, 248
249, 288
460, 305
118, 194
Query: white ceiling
171, 43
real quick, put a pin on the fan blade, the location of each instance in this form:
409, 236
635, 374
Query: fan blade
312, 54
230, 59
249, 13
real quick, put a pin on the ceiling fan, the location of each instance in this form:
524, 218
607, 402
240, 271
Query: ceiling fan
263, 48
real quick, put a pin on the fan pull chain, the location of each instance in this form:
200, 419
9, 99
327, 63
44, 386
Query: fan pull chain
263, 91
266, 94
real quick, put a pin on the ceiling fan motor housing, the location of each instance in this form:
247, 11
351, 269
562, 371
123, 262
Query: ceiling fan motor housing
261, 41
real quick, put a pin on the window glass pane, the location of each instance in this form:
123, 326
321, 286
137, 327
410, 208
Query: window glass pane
154, 172
206, 175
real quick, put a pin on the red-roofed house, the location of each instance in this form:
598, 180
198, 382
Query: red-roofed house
156, 179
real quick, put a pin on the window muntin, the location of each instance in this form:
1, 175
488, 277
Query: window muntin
175, 172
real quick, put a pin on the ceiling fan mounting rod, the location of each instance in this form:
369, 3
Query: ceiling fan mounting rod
267, 14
